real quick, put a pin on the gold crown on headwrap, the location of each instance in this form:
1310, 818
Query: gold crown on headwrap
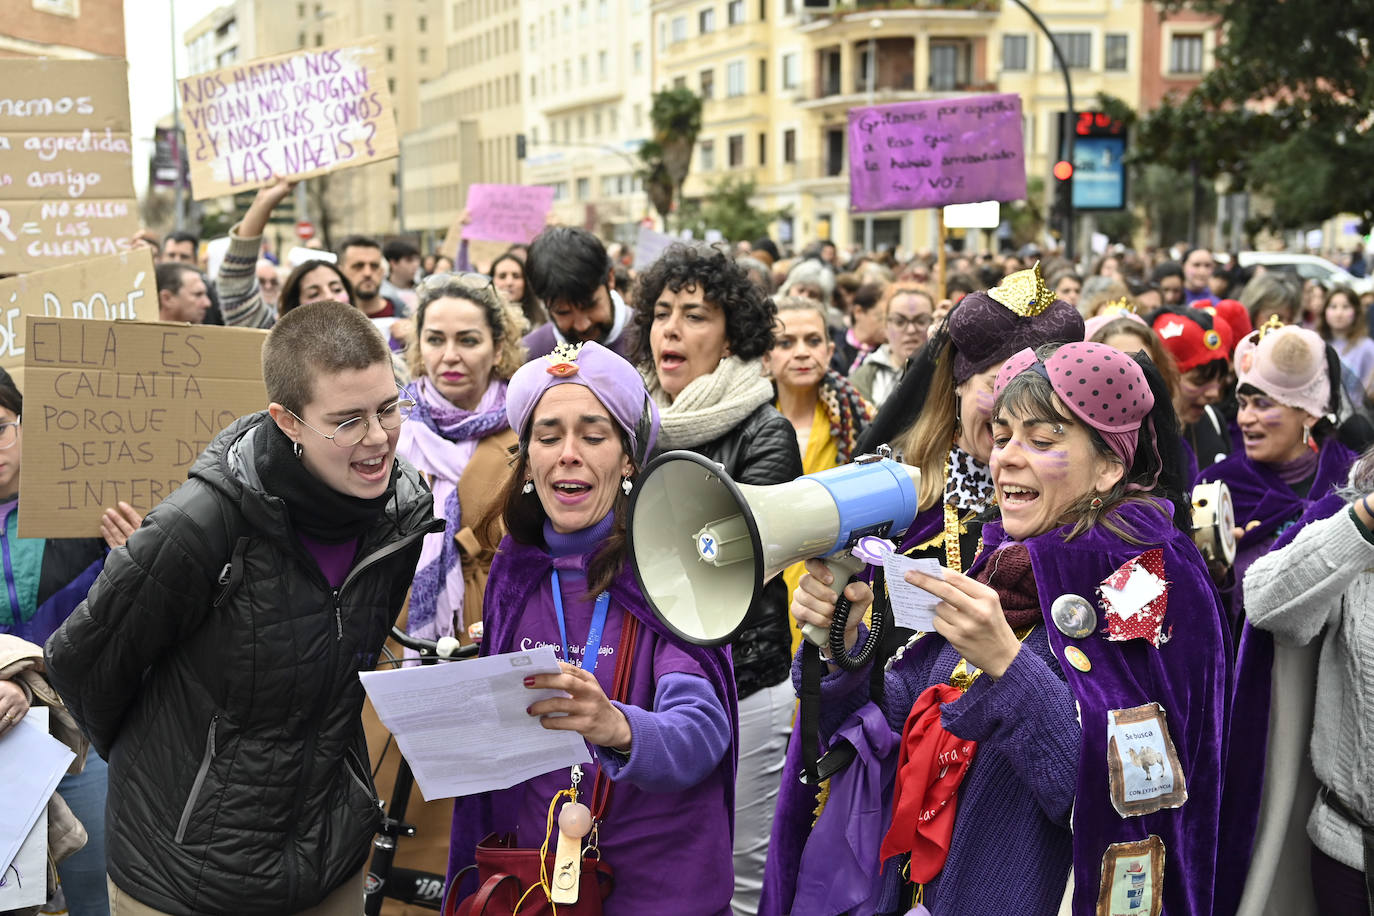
1273, 324
563, 360
1024, 292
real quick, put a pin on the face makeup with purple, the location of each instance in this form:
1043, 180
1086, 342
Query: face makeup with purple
975, 413
576, 458
1041, 466
1272, 432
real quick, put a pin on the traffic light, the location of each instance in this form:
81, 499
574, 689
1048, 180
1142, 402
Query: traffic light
1061, 209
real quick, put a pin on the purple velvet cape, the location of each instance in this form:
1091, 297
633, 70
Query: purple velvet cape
516, 574
1258, 493
796, 806
1189, 676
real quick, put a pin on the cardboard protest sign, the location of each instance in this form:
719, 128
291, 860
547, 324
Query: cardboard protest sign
930, 154
120, 410
648, 246
118, 287
507, 212
66, 162
290, 116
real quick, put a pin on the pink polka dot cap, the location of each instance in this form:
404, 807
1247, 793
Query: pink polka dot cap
1100, 385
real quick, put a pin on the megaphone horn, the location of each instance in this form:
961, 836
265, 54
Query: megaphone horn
702, 546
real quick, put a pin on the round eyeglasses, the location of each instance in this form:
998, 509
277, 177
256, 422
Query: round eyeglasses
9, 433
902, 322
352, 432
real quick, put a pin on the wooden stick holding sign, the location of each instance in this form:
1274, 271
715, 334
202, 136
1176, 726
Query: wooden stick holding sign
290, 116
118, 411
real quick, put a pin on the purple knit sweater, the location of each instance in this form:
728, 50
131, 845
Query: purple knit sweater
1012, 849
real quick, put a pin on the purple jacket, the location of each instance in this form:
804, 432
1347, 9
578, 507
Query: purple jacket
1035, 763
646, 811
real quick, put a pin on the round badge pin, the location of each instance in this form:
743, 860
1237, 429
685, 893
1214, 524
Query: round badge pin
1074, 616
1075, 657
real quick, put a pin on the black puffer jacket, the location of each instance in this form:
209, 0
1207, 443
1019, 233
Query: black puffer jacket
761, 450
225, 695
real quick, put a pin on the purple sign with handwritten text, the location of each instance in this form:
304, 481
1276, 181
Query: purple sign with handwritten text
915, 155
507, 212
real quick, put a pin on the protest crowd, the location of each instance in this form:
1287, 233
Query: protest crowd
1123, 700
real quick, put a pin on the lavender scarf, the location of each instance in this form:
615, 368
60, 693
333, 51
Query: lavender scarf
439, 440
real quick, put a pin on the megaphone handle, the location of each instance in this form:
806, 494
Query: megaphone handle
842, 567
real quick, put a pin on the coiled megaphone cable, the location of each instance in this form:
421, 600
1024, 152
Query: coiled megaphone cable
840, 655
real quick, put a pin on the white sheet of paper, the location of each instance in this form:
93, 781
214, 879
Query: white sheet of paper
32, 763
912, 607
463, 728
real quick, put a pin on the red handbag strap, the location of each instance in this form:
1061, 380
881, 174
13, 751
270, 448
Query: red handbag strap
620, 689
477, 904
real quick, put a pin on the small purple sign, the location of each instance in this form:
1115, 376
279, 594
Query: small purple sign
914, 155
507, 212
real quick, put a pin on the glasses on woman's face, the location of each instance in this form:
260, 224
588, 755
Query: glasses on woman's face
9, 433
352, 432
901, 322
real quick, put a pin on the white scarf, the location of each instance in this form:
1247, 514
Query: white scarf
711, 405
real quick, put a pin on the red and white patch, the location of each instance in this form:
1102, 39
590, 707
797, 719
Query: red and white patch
1136, 598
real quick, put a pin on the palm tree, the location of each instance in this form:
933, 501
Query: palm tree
676, 119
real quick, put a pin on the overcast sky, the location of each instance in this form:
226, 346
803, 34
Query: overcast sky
148, 45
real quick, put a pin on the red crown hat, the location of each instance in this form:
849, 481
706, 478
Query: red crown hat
1237, 316
1192, 337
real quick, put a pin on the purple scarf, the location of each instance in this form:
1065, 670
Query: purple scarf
439, 439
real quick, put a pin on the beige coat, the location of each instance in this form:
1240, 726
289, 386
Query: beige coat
22, 661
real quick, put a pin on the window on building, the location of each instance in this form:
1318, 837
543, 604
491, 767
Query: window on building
319, 40
734, 78
708, 83
615, 121
602, 10
707, 155
534, 43
567, 18
424, 23
1185, 54
790, 76
637, 57
763, 74
603, 65
582, 16
1015, 51
789, 146
735, 150
734, 12
596, 124
390, 21
300, 10
789, 7
1077, 48
424, 54
679, 28
763, 148
763, 10
1114, 52
949, 65
679, 82
534, 87
584, 69
581, 127
638, 116
706, 20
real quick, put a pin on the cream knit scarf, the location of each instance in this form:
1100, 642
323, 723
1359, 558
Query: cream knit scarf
711, 405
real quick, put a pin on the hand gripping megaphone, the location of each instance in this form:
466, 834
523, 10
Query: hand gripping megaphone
702, 546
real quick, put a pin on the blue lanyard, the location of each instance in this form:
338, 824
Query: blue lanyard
598, 627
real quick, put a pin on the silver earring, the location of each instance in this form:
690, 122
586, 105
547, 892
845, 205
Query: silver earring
296, 450
627, 485
1307, 435
528, 488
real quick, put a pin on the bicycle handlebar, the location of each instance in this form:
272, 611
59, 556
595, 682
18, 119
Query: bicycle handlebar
446, 647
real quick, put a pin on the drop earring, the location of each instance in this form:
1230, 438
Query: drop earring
528, 488
627, 485
1096, 502
297, 450
1307, 435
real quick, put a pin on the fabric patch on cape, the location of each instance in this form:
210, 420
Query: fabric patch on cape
969, 485
1142, 763
1135, 599
1132, 879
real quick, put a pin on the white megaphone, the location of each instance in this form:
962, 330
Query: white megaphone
702, 546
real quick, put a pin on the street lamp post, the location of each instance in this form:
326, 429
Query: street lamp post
1066, 142
179, 202
871, 81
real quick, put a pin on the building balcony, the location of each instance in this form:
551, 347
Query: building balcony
849, 20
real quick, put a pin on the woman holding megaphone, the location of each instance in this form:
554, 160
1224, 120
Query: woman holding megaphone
656, 807
1064, 716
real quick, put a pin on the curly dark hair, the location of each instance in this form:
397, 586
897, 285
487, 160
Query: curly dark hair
749, 315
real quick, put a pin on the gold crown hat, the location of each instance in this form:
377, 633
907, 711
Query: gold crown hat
1024, 292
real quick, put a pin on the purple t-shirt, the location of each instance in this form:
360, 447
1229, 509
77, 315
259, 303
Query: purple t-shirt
335, 560
668, 844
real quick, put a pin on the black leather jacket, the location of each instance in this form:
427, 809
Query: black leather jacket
761, 450
216, 669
